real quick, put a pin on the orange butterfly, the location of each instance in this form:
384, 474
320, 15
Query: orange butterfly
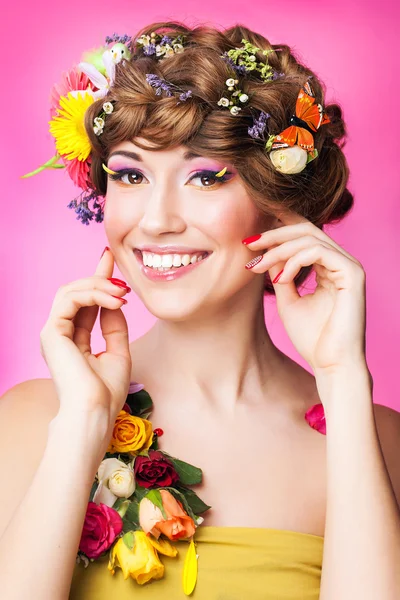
309, 117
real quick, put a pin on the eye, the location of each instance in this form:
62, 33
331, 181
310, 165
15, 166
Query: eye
208, 177
130, 175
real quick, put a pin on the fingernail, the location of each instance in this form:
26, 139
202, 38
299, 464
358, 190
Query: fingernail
106, 248
254, 261
122, 299
252, 238
119, 283
277, 277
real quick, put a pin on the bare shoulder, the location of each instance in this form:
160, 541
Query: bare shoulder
388, 426
26, 410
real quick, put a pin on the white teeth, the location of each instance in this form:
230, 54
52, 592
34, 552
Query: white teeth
157, 260
166, 261
177, 261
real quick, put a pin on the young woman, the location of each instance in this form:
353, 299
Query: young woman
204, 218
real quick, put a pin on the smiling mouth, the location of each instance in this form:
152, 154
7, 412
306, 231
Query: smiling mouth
169, 262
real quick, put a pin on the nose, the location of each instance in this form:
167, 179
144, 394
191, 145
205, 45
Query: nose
162, 213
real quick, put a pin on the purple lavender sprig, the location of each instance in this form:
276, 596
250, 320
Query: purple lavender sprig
259, 124
161, 85
82, 209
240, 69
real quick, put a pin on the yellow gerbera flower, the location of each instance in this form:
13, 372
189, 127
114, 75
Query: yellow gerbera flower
68, 128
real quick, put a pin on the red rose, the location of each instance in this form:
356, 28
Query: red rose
154, 471
101, 527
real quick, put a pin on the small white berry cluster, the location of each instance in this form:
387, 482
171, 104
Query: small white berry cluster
99, 122
236, 97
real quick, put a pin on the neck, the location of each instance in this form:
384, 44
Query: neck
221, 360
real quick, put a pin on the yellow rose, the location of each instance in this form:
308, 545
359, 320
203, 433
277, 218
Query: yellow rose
136, 555
131, 434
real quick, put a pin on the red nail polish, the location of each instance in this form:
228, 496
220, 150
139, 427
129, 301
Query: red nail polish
122, 299
277, 277
106, 248
252, 238
254, 261
119, 283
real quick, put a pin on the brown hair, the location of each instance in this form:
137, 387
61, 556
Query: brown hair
319, 192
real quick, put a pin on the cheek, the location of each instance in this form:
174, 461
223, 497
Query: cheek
231, 220
120, 215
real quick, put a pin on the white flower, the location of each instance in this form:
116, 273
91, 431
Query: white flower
289, 160
230, 82
235, 110
223, 102
243, 97
99, 122
108, 108
98, 130
116, 480
110, 59
178, 48
252, 58
144, 39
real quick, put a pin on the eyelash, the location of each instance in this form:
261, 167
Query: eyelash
204, 173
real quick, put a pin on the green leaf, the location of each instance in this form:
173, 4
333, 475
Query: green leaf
129, 539
155, 497
139, 493
196, 504
93, 490
188, 474
140, 403
154, 445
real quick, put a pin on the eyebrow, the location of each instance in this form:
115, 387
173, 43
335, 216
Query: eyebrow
187, 156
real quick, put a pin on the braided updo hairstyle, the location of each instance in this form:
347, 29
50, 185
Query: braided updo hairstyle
318, 193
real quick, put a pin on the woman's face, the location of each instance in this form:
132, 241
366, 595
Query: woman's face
164, 211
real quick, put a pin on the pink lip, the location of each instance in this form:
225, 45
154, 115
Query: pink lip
169, 275
170, 249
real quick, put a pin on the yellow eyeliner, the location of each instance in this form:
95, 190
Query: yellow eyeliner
107, 170
221, 173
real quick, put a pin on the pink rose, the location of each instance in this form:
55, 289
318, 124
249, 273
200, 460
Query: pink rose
101, 527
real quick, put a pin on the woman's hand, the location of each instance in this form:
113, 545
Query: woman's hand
86, 383
326, 327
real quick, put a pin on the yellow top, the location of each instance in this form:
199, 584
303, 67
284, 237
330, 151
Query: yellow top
235, 563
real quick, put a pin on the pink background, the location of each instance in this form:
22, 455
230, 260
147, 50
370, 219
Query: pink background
351, 45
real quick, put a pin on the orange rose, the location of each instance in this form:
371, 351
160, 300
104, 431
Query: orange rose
177, 523
131, 434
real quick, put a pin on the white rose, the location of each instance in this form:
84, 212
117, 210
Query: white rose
223, 102
116, 480
243, 98
235, 110
229, 82
289, 160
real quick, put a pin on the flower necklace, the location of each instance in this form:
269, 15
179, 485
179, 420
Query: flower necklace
140, 500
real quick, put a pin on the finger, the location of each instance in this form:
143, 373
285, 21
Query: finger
279, 235
56, 335
339, 269
283, 252
114, 329
86, 317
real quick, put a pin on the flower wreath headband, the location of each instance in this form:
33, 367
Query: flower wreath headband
289, 151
